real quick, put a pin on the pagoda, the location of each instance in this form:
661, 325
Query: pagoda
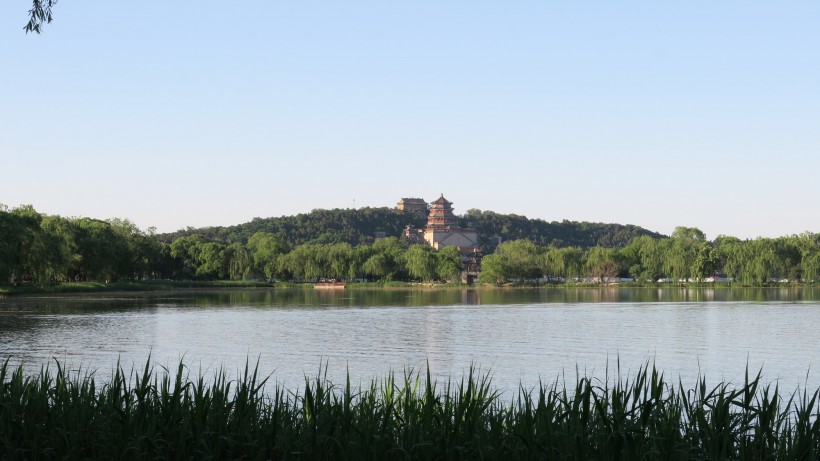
443, 230
441, 214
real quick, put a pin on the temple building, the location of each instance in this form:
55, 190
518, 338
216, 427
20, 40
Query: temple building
412, 205
443, 230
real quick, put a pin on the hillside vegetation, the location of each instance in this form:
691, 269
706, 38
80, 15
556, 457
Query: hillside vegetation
38, 249
357, 226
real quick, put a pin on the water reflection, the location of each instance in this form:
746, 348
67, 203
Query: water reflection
444, 297
521, 335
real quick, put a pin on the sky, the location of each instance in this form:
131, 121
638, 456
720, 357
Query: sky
659, 114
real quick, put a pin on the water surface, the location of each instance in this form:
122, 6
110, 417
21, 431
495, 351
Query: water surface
518, 335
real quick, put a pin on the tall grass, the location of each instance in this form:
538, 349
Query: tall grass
161, 413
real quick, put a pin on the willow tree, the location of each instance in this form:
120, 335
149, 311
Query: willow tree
239, 261
267, 248
644, 257
340, 261
706, 261
601, 263
809, 245
420, 262
448, 264
686, 242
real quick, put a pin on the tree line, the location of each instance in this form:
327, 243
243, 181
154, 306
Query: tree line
267, 255
46, 249
43, 249
685, 256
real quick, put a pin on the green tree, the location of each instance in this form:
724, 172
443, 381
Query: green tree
448, 264
571, 261
239, 261
601, 263
33, 259
211, 261
136, 250
186, 250
59, 235
102, 253
304, 262
732, 252
516, 259
494, 269
340, 261
420, 262
11, 230
267, 248
706, 261
680, 255
384, 259
809, 247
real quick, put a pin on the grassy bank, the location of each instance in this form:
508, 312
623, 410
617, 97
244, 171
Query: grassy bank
159, 285
152, 413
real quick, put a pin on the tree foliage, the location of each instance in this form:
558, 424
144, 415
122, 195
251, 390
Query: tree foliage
39, 14
43, 249
559, 234
358, 226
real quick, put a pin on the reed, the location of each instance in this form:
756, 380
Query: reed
161, 413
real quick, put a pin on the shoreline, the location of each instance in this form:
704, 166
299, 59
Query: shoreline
120, 288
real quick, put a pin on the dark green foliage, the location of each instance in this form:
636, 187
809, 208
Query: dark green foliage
356, 226
353, 226
46, 250
166, 414
560, 234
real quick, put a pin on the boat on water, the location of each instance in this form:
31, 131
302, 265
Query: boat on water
329, 285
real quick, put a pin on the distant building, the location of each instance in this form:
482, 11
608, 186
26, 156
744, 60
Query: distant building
443, 230
412, 205
412, 235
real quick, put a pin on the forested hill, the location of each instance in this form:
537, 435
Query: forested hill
357, 226
318, 226
560, 234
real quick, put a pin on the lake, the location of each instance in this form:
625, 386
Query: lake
520, 336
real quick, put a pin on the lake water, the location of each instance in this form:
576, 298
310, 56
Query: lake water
518, 335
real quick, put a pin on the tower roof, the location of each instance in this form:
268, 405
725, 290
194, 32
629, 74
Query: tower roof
442, 201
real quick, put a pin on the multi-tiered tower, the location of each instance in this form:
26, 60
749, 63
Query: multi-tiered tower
443, 230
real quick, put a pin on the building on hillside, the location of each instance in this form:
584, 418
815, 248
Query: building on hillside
443, 230
412, 205
413, 235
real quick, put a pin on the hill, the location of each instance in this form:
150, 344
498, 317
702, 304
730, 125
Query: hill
360, 225
559, 234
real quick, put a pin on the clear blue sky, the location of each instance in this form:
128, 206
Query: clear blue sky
704, 114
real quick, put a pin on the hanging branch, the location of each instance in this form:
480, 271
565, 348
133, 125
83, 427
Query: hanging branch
39, 14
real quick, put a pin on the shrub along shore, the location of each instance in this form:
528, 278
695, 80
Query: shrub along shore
167, 414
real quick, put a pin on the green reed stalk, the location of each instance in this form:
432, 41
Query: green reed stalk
166, 414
